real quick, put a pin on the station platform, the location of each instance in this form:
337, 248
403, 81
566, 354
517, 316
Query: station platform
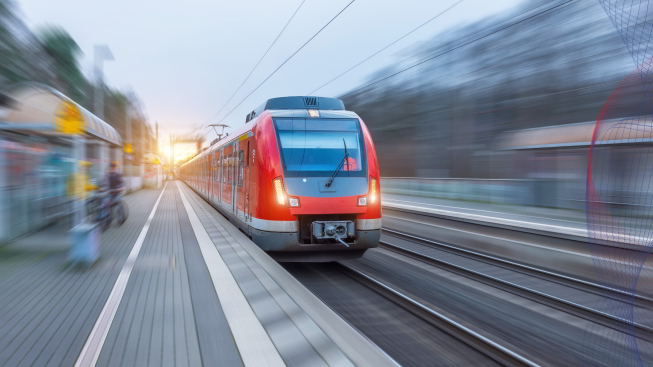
547, 219
554, 222
176, 285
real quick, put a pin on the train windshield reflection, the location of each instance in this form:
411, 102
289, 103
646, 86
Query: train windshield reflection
315, 147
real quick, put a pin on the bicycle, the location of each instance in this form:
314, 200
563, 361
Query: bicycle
117, 206
104, 207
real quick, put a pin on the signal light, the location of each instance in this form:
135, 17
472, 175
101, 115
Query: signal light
372, 192
278, 189
314, 113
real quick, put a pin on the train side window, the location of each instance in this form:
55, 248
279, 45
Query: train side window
231, 164
217, 166
234, 167
241, 167
224, 167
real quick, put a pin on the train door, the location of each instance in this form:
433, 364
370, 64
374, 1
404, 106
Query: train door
227, 193
216, 177
242, 179
225, 176
234, 175
214, 174
220, 168
209, 176
247, 181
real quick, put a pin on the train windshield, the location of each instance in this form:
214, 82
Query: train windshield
315, 147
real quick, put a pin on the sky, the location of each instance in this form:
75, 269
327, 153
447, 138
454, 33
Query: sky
185, 59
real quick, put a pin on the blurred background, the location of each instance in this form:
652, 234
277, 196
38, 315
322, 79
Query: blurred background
477, 106
41, 159
505, 119
484, 114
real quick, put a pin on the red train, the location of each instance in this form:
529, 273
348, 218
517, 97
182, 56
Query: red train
301, 178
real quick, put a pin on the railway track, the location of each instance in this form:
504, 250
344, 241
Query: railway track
391, 240
475, 340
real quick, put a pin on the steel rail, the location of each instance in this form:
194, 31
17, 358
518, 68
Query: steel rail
617, 323
584, 285
461, 332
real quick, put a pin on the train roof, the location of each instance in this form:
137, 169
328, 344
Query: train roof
297, 103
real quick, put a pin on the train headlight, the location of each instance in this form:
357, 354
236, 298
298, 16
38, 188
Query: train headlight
278, 189
362, 201
314, 113
372, 192
293, 202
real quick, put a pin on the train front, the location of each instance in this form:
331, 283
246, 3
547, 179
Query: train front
325, 186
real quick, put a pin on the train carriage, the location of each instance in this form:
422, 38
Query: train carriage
301, 178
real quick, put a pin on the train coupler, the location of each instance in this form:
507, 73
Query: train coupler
334, 230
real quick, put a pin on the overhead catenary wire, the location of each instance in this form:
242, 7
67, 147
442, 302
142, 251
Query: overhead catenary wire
258, 63
459, 46
403, 70
397, 40
386, 47
288, 59
309, 40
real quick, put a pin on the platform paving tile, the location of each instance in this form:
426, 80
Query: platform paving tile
298, 339
169, 314
48, 309
217, 344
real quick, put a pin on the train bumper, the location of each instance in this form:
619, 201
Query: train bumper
285, 246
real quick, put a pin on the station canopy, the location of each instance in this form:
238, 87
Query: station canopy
39, 108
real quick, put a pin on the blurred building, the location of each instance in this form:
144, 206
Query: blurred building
444, 118
40, 155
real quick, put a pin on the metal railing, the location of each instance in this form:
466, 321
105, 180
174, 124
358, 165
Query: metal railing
566, 194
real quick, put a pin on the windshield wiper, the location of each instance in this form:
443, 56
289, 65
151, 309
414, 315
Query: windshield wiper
342, 162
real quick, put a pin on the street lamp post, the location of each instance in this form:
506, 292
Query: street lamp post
101, 53
85, 235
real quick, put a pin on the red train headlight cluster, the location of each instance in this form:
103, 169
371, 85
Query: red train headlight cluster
281, 194
371, 194
278, 189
